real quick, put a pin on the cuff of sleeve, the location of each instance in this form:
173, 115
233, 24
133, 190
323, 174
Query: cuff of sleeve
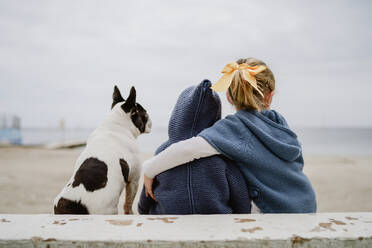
210, 142
147, 171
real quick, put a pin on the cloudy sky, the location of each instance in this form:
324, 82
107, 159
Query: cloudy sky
60, 59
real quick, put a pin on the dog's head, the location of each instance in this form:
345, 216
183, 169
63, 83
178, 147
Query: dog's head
138, 115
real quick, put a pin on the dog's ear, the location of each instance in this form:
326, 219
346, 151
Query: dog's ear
116, 97
131, 101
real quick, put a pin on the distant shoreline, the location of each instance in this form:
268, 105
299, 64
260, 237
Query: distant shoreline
315, 140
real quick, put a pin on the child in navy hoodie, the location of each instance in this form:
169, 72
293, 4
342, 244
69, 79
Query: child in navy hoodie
212, 185
258, 139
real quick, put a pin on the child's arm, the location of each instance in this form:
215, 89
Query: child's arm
178, 153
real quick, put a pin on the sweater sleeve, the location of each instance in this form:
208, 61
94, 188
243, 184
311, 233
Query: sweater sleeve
225, 137
178, 153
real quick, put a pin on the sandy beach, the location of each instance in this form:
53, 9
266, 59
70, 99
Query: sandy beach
30, 179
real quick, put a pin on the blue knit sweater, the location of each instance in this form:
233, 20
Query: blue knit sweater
270, 157
210, 185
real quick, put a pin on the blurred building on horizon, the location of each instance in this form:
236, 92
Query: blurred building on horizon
10, 129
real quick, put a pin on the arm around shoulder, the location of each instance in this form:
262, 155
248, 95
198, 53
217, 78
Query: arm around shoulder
177, 154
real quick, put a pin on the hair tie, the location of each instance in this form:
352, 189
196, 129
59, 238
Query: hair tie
248, 73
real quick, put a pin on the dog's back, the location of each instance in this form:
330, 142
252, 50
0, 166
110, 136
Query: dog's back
109, 163
101, 172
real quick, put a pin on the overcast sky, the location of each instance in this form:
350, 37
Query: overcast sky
60, 59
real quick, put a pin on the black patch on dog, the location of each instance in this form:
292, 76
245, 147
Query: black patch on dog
139, 117
66, 206
130, 102
124, 169
116, 97
92, 174
138, 114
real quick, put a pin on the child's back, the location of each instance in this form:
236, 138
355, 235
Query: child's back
207, 186
270, 157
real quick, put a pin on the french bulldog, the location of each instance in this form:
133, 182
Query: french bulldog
109, 163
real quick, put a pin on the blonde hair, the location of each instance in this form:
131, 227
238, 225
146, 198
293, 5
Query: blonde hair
243, 95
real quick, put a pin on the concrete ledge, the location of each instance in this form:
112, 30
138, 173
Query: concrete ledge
284, 230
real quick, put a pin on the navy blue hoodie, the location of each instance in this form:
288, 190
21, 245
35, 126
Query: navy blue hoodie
212, 185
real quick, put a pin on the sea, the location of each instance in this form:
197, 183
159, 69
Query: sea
315, 141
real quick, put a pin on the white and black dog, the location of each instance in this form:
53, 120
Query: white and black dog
110, 162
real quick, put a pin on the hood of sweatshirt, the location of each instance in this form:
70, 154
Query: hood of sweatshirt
272, 130
197, 108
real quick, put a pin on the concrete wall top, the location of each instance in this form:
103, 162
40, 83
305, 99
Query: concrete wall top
266, 230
